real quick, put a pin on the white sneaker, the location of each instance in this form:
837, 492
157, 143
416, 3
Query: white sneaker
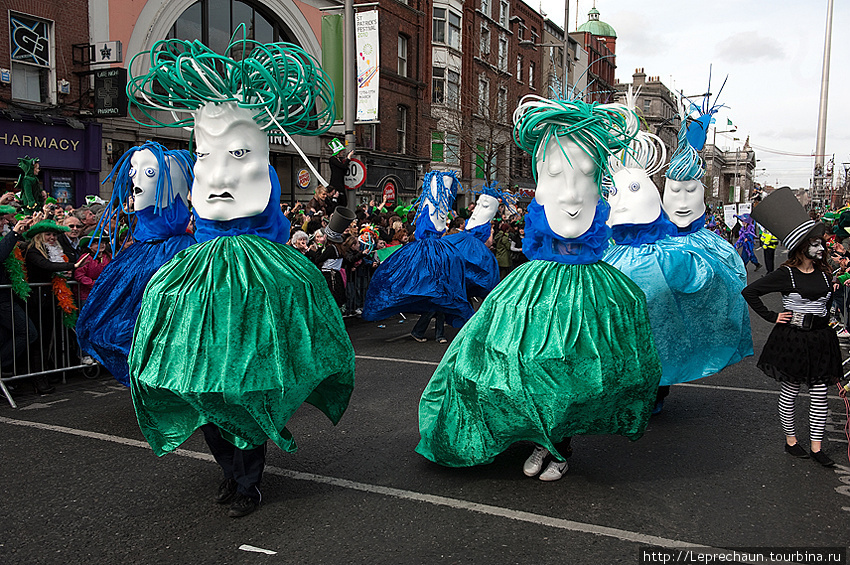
87, 360
843, 333
534, 462
554, 471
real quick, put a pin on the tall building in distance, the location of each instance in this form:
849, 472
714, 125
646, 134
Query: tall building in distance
600, 41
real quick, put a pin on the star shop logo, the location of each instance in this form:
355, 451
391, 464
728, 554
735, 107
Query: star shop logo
106, 53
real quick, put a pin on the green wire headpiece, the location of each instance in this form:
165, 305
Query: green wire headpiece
280, 83
600, 130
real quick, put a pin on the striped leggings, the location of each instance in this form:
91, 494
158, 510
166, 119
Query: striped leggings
817, 409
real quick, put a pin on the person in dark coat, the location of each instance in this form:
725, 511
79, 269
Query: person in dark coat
339, 166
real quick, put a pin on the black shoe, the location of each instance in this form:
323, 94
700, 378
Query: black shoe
796, 450
823, 459
226, 491
42, 385
758, 266
242, 506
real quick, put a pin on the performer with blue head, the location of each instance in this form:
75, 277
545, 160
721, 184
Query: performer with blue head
482, 269
563, 345
681, 281
157, 181
236, 332
427, 275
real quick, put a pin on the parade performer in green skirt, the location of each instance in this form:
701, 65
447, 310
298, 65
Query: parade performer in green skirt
239, 330
563, 345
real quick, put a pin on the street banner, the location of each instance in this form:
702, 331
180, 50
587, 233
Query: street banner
745, 208
366, 37
729, 214
332, 57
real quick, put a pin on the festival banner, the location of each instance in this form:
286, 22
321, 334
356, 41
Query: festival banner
332, 57
366, 36
729, 211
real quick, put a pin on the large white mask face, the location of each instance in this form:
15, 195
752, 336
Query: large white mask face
232, 171
485, 210
684, 201
567, 190
634, 199
438, 218
144, 172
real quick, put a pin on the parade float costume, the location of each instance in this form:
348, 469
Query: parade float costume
563, 345
682, 282
239, 330
683, 198
482, 268
747, 241
427, 274
160, 180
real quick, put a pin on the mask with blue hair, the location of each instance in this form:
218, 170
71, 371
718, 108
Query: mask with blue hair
684, 192
439, 190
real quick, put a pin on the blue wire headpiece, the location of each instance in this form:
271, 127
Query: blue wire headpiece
685, 164
123, 188
492, 189
698, 127
445, 196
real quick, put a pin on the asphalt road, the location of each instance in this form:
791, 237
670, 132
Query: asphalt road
79, 485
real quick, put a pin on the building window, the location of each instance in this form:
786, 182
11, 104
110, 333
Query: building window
222, 17
453, 89
519, 68
531, 75
454, 30
647, 105
503, 54
503, 12
402, 55
483, 96
367, 140
502, 104
449, 35
520, 32
452, 149
31, 47
438, 85
401, 129
485, 7
439, 28
485, 41
437, 147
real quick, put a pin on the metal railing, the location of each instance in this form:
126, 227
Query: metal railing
33, 340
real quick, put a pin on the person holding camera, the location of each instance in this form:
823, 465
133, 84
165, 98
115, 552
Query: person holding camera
802, 348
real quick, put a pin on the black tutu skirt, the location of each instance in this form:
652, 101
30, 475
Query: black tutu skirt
809, 357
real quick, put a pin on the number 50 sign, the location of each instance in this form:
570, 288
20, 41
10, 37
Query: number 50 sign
355, 176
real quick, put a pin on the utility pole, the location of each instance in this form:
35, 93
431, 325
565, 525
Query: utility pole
349, 84
820, 149
566, 57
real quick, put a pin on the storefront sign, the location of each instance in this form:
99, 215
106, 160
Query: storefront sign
389, 192
110, 97
29, 40
55, 146
304, 179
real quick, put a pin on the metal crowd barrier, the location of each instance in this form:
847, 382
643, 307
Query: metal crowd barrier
50, 347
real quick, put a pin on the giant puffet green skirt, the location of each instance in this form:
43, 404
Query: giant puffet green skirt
554, 351
237, 331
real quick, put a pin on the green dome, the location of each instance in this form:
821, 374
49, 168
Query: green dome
594, 27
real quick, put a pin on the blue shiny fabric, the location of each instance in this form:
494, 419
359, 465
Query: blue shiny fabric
425, 275
106, 322
699, 318
164, 223
482, 269
716, 246
540, 242
270, 224
636, 235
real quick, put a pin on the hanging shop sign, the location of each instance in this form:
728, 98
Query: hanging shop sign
304, 179
110, 96
29, 40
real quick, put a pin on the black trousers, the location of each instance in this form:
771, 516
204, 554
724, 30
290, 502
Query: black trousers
768, 258
14, 324
244, 465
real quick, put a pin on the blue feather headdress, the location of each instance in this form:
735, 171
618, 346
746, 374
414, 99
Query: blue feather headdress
123, 189
698, 126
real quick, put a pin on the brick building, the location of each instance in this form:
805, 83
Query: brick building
42, 88
600, 41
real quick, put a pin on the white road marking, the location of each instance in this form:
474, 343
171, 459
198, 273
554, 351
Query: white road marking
38, 405
490, 510
246, 547
694, 385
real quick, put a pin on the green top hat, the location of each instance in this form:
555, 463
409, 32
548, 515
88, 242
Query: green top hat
45, 226
336, 146
50, 200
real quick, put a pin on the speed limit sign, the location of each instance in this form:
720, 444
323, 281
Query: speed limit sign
355, 176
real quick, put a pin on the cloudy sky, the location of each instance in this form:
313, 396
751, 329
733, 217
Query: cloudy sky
772, 51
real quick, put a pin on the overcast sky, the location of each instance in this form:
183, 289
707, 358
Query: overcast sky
772, 51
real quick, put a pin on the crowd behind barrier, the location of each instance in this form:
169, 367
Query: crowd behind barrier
36, 345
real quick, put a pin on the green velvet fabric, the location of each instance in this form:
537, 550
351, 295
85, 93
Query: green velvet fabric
554, 351
239, 332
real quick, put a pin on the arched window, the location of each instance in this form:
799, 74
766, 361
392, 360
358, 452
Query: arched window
213, 22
